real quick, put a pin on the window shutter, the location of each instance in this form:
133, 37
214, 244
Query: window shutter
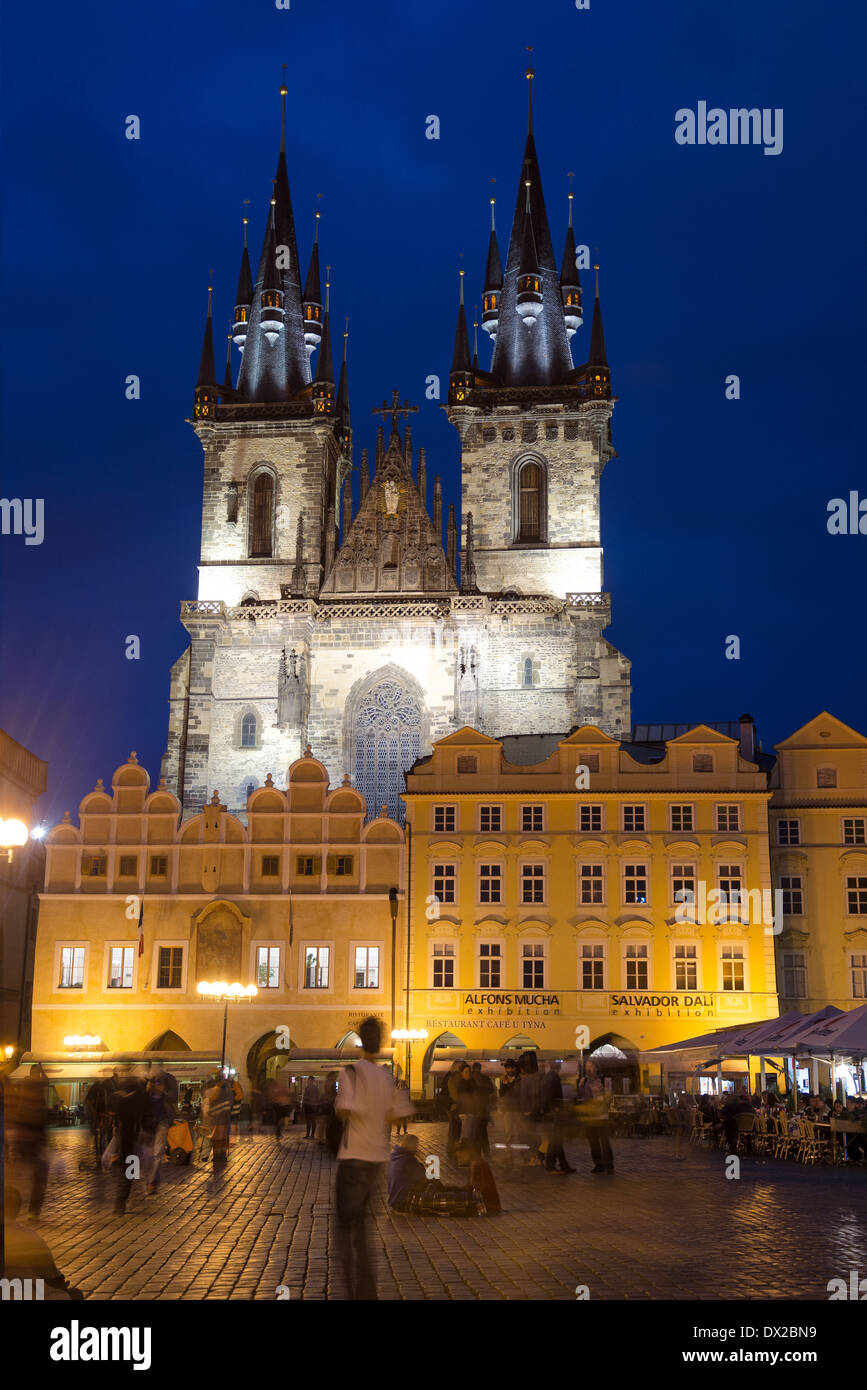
331, 864
317, 865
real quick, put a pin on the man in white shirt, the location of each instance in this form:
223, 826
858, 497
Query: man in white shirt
368, 1103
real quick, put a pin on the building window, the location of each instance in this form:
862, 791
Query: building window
592, 965
340, 865
856, 896
788, 832
527, 676
702, 762
445, 883
159, 865
590, 817
732, 968
794, 975
261, 518
367, 967
532, 817
858, 973
268, 967
386, 740
444, 965
467, 762
444, 818
270, 865
636, 967
490, 965
94, 865
170, 964
248, 731
591, 878
532, 883
826, 776
681, 818
308, 865
634, 818
530, 484
635, 883
685, 968
728, 817
120, 967
490, 883
72, 967
533, 965
128, 866
491, 818
792, 886
730, 883
854, 830
683, 883
316, 959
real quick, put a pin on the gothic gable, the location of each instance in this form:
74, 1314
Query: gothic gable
392, 546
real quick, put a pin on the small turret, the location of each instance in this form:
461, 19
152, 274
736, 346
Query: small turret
460, 376
244, 297
271, 297
422, 477
323, 382
493, 284
344, 428
227, 375
206, 384
438, 508
598, 361
452, 540
529, 296
313, 297
570, 284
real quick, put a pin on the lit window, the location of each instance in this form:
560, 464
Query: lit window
685, 968
732, 968
170, 962
316, 960
120, 967
367, 967
268, 967
72, 967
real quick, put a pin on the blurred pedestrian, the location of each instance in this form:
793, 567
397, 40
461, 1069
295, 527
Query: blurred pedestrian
593, 1108
158, 1113
401, 1122
368, 1104
551, 1104
26, 1119
530, 1106
216, 1116
311, 1098
486, 1097
128, 1105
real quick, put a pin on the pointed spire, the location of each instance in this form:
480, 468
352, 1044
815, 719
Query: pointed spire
323, 382
597, 356
570, 282
312, 285
284, 92
422, 477
312, 298
530, 74
343, 395
460, 380
227, 375
207, 370
438, 508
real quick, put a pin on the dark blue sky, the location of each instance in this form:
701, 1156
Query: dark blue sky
715, 260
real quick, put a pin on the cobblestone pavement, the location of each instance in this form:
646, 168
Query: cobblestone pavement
657, 1229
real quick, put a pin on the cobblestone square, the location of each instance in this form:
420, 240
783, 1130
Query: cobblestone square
659, 1228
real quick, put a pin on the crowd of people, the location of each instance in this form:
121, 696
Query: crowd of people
721, 1112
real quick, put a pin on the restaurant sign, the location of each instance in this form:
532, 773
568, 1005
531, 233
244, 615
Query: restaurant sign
493, 1004
661, 1005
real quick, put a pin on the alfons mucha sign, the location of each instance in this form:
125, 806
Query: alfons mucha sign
528, 1004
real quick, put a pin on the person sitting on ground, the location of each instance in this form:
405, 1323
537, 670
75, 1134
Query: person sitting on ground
28, 1256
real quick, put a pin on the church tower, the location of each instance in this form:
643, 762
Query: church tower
535, 436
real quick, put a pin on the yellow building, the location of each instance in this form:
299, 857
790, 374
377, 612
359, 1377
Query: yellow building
555, 897
299, 901
818, 822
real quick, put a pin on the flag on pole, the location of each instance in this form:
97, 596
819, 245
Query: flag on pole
141, 927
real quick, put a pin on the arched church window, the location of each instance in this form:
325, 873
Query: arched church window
261, 516
530, 503
528, 670
387, 736
248, 731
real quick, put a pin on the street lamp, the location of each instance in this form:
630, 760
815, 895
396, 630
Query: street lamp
8, 1053
409, 1036
220, 992
13, 834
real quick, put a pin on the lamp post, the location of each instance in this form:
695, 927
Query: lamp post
220, 992
13, 834
408, 1035
8, 1052
392, 907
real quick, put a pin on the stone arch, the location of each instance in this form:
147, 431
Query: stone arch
167, 1042
623, 1069
446, 1039
247, 718
386, 729
265, 1058
530, 517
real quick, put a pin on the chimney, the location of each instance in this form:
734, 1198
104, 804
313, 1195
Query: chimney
748, 738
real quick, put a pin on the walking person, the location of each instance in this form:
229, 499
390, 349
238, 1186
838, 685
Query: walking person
216, 1116
368, 1104
404, 1121
486, 1096
310, 1101
453, 1084
530, 1106
158, 1113
594, 1112
551, 1088
26, 1118
128, 1104
508, 1105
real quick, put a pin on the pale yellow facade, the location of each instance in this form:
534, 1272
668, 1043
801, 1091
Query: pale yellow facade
542, 898
296, 901
818, 822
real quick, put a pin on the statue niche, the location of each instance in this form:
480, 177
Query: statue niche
291, 690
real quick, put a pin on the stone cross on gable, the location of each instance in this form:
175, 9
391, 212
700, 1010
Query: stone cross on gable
394, 410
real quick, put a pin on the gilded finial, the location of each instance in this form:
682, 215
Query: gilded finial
245, 219
493, 203
461, 274
284, 92
529, 75
570, 176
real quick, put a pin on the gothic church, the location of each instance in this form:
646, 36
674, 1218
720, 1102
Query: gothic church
358, 634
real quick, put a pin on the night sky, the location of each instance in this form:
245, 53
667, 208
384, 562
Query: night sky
715, 260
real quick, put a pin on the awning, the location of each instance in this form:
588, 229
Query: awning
59, 1067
